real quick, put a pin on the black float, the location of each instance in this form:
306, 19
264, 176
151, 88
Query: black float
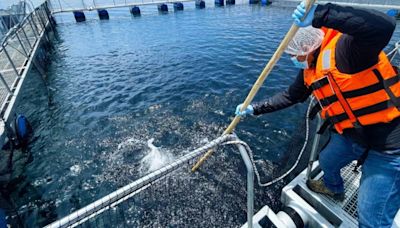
135, 11
162, 8
200, 4
79, 16
219, 2
103, 14
178, 6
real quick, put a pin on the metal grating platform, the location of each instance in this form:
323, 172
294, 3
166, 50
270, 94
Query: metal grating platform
351, 183
315, 209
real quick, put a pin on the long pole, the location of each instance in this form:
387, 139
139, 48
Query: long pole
264, 74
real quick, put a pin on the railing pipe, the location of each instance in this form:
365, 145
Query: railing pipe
398, 47
60, 5
250, 184
22, 45
36, 22
32, 23
84, 5
9, 59
12, 20
44, 21
47, 12
40, 11
27, 38
3, 23
314, 149
5, 84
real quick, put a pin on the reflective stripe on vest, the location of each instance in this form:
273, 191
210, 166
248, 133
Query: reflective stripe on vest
326, 59
352, 100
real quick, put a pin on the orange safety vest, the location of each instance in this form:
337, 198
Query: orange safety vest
353, 100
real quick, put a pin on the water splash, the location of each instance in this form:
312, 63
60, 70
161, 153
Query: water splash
75, 170
155, 158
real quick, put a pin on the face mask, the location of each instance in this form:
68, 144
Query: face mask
301, 65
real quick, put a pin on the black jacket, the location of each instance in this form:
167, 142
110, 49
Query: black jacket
365, 33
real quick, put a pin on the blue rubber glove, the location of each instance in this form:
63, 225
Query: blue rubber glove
247, 111
299, 13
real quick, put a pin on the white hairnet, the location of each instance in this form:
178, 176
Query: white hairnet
305, 41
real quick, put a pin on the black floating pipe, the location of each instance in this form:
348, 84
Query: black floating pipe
162, 8
200, 4
253, 1
219, 2
103, 14
79, 16
230, 2
178, 6
135, 11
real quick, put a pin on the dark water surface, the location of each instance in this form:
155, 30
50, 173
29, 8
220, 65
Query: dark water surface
175, 78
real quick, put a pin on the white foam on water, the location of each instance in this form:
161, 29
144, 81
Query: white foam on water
128, 142
155, 158
75, 170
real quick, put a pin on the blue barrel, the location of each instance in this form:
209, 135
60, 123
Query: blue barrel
135, 11
219, 2
200, 4
393, 13
163, 8
230, 2
178, 6
103, 14
79, 16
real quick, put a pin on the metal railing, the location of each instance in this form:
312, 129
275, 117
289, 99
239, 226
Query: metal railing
60, 6
394, 53
17, 53
12, 16
112, 203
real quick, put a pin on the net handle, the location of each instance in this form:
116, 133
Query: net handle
257, 85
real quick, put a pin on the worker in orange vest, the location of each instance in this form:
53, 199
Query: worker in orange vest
339, 53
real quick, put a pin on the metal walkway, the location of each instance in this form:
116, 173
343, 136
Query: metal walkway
62, 6
17, 55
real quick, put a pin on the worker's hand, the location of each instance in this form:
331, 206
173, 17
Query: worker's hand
299, 13
248, 110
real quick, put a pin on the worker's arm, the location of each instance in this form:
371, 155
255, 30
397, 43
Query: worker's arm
297, 92
366, 31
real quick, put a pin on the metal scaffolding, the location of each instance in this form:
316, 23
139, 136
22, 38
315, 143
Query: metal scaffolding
17, 55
